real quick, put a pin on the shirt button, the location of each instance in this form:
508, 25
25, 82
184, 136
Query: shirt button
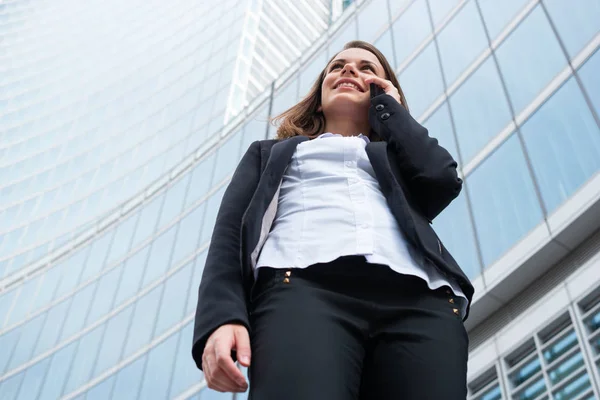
385, 116
379, 107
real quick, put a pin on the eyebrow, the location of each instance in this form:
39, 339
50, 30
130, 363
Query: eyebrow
361, 62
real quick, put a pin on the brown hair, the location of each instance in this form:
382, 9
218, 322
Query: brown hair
304, 119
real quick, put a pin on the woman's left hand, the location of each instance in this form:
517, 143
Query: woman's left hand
387, 86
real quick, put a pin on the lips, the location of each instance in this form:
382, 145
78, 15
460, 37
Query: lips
348, 83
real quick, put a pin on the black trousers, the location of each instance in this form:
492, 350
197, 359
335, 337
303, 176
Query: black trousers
350, 330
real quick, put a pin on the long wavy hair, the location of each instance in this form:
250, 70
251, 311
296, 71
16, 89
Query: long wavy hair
304, 119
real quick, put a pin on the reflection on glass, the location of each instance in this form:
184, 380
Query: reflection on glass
310, 72
560, 347
525, 371
32, 382
494, 393
440, 9
533, 390
371, 19
529, 58
421, 81
504, 202
565, 368
384, 44
410, 29
480, 110
574, 388
576, 23
440, 127
563, 142
591, 79
465, 28
346, 34
128, 380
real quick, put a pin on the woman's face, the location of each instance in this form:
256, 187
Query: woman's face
344, 89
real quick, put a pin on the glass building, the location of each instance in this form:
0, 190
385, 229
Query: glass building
122, 122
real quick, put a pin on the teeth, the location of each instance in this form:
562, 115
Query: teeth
352, 85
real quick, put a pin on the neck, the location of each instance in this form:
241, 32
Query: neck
347, 127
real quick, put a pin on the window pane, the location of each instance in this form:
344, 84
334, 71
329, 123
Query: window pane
76, 315
32, 383
198, 269
439, 127
201, 177
81, 368
440, 9
347, 33
57, 372
563, 141
147, 221
143, 321
172, 304
112, 340
23, 302
158, 370
188, 234
228, 157
29, 334
498, 14
132, 276
480, 110
160, 254
73, 264
505, 205
465, 28
410, 29
310, 72
455, 229
95, 262
185, 372
128, 380
122, 239
285, 98
52, 326
102, 390
577, 23
529, 58
105, 294
422, 81
384, 44
174, 201
10, 387
212, 208
371, 19
591, 79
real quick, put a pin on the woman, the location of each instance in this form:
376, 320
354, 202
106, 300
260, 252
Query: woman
324, 276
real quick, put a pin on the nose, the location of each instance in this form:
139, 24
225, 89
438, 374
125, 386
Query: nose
349, 68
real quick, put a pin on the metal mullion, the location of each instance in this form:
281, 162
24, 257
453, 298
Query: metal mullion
518, 365
591, 311
527, 382
586, 350
562, 357
487, 387
567, 379
585, 393
557, 337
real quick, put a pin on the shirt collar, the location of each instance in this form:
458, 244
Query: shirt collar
329, 134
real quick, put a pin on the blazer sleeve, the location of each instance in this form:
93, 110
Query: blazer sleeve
221, 295
427, 168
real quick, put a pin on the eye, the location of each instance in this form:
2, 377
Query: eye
368, 66
335, 66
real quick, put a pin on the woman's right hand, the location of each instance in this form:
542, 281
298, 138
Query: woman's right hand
220, 371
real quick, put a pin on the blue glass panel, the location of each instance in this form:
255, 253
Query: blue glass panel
525, 371
440, 9
421, 81
591, 79
81, 368
8, 342
160, 255
455, 229
480, 110
104, 295
102, 390
255, 128
310, 72
6, 303
208, 394
29, 335
128, 380
142, 324
158, 370
172, 304
565, 368
212, 208
576, 23
228, 156
147, 221
284, 99
504, 202
95, 262
46, 290
112, 340
385, 45
371, 19
533, 390
188, 234
347, 33
563, 141
493, 393
570, 391
529, 58
465, 28
410, 29
34, 377
122, 239
498, 14
52, 326
201, 177
440, 127
10, 387
71, 269
79, 306
132, 275
174, 201
23, 302
57, 373
185, 372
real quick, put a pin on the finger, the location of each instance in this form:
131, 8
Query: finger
231, 385
225, 363
242, 346
384, 83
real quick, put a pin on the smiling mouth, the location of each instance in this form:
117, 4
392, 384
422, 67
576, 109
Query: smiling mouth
348, 85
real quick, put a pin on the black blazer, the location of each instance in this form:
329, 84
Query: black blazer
417, 176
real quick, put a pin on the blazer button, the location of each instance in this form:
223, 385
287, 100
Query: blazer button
385, 116
379, 107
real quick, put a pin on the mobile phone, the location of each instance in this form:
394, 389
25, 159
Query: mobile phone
375, 89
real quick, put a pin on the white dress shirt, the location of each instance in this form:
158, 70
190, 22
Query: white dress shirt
330, 205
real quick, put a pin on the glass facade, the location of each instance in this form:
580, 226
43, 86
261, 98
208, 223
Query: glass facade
108, 196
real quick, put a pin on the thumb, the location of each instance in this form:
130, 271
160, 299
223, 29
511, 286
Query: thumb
242, 346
